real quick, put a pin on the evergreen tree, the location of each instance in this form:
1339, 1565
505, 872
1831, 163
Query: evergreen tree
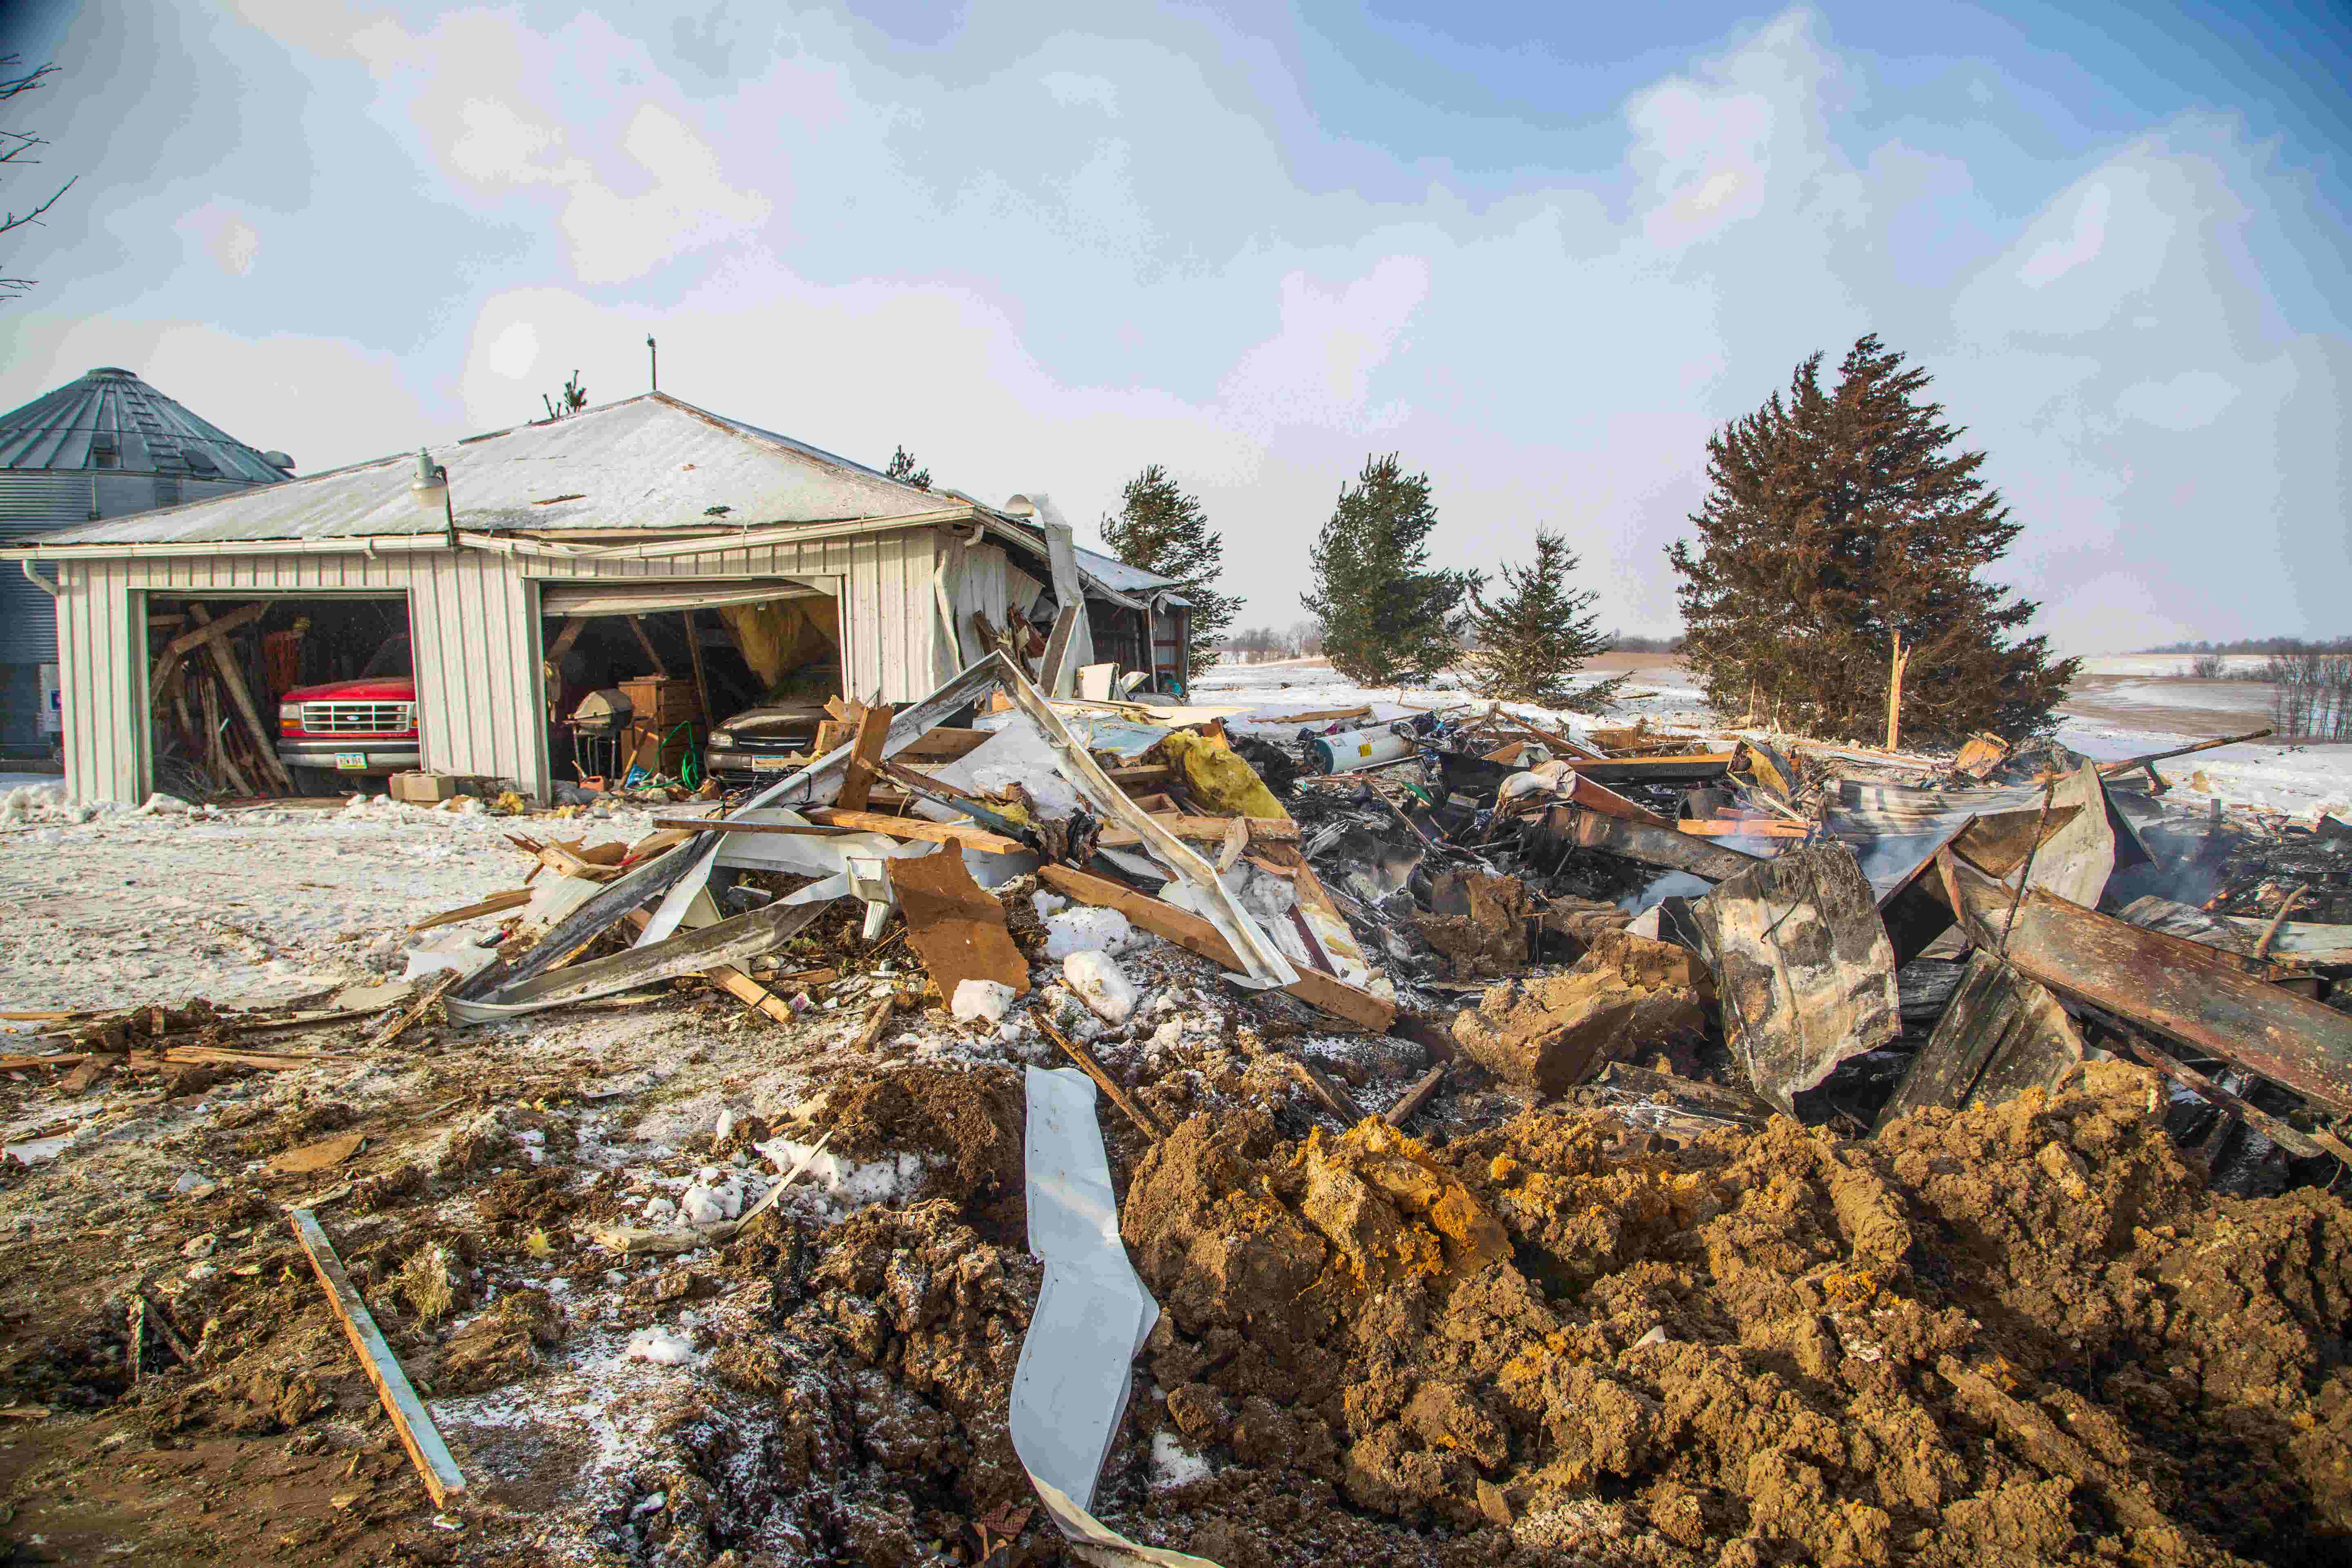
1538, 634
1158, 527
1388, 619
902, 468
1834, 523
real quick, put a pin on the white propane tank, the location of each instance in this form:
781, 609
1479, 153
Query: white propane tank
1355, 750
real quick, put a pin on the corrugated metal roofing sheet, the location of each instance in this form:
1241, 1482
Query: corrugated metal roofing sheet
1113, 573
109, 420
649, 462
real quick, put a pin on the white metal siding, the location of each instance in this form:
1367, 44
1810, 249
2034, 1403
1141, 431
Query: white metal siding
473, 629
475, 636
101, 651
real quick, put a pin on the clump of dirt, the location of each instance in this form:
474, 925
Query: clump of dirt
1626, 996
500, 1345
875, 1371
966, 1121
2021, 1333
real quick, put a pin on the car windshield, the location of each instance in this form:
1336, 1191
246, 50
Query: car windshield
392, 659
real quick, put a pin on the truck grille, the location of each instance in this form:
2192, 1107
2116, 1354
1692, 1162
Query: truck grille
359, 718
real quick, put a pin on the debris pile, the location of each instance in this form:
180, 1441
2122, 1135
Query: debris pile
1526, 1145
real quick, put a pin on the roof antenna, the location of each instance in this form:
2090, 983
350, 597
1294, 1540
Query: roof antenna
653, 355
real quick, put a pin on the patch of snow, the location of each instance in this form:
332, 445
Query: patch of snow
1101, 985
1173, 1465
1087, 930
979, 1001
660, 1346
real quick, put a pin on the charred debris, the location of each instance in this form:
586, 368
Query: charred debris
1694, 929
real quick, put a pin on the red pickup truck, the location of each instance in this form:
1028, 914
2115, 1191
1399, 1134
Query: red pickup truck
359, 727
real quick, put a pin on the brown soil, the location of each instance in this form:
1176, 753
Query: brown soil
2023, 1333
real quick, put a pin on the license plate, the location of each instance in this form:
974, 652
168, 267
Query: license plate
352, 762
769, 765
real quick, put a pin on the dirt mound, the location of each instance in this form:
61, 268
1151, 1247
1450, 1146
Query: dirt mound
1627, 995
966, 1121
2021, 1333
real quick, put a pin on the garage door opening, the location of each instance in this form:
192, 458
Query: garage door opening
670, 682
253, 698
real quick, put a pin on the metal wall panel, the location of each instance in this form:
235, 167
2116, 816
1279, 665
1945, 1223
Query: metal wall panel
473, 624
475, 636
102, 647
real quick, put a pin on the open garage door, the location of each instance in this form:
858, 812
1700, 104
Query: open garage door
291, 694
643, 676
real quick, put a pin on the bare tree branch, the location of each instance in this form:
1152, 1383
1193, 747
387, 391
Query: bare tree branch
14, 146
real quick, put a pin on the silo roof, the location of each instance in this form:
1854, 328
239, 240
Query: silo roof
110, 412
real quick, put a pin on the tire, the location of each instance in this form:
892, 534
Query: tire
317, 780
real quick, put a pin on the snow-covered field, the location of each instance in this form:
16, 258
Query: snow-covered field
240, 908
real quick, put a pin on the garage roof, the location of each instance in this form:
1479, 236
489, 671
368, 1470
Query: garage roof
648, 462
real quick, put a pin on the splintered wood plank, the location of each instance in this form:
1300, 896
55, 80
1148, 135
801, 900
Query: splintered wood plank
409, 1416
857, 781
920, 829
1804, 968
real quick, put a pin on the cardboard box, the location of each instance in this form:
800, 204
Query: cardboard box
423, 789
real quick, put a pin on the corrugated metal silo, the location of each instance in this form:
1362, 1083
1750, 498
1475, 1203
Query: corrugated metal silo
106, 445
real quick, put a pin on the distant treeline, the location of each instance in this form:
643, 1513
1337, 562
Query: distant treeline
2259, 644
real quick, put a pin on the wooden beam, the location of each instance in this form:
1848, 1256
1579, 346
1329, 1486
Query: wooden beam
1190, 932
496, 903
1656, 846
921, 829
1208, 830
1136, 1110
1329, 1090
414, 1011
409, 1416
1761, 828
181, 646
1416, 1097
637, 628
1697, 768
1057, 649
701, 683
857, 781
233, 679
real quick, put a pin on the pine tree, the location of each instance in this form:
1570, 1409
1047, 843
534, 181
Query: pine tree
1836, 522
1159, 528
1388, 619
902, 468
1538, 634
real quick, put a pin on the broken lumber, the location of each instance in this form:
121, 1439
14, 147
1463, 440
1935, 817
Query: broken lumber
414, 1011
1208, 830
232, 679
921, 829
864, 753
409, 1416
1416, 1097
1695, 768
496, 904
1329, 1090
1194, 935
1761, 827
1136, 1110
2133, 764
2303, 1145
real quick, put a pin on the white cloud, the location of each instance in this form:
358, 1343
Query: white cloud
2056, 257
222, 235
2189, 401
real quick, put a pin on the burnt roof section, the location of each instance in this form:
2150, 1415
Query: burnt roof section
110, 421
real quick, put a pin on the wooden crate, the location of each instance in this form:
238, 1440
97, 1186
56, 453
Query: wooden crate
662, 704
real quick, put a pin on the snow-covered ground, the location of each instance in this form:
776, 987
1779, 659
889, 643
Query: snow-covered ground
240, 908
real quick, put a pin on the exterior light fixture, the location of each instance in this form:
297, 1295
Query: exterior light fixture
431, 488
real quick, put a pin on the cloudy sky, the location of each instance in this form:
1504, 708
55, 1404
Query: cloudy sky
1540, 251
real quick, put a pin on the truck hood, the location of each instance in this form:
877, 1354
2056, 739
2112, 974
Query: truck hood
373, 688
